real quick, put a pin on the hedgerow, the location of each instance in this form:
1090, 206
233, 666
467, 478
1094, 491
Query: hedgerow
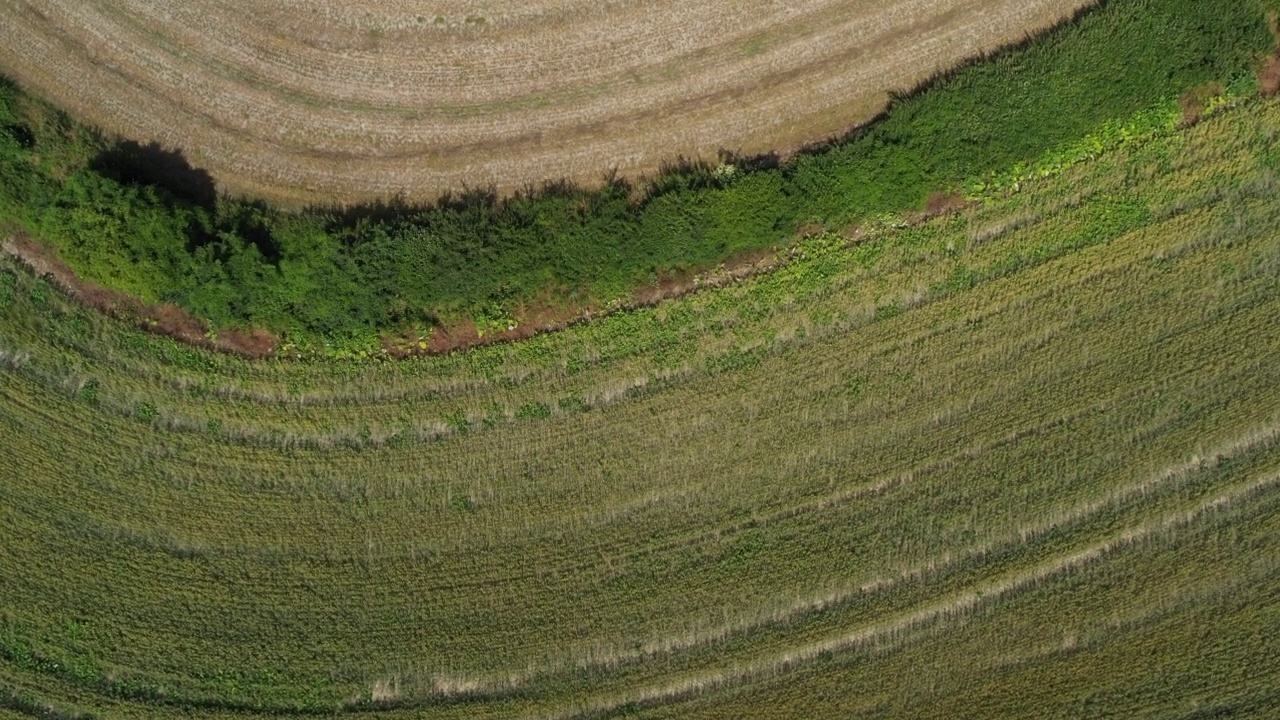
136, 218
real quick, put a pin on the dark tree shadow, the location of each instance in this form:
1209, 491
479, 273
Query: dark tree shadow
133, 163
474, 201
751, 163
22, 134
677, 175
471, 199
345, 217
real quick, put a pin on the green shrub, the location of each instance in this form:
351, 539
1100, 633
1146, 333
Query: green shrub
88, 392
533, 411
343, 275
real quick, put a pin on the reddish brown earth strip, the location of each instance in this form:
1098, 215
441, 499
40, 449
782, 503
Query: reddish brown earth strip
539, 316
168, 320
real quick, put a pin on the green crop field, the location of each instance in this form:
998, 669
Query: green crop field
1018, 461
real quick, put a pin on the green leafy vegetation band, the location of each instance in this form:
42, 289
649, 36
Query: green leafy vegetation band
138, 219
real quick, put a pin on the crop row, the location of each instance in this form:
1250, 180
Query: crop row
1103, 365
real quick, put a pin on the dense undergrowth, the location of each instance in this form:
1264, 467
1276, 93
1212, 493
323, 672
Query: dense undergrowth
139, 219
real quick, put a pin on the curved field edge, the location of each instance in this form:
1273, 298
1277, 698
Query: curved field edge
892, 425
304, 105
830, 286
400, 279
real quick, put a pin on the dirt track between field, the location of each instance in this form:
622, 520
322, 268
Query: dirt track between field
322, 100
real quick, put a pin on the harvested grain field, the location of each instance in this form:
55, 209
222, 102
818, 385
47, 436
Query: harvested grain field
322, 101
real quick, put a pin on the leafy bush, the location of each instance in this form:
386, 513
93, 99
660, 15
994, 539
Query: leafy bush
88, 392
139, 219
146, 412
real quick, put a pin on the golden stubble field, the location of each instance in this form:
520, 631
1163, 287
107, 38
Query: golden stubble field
305, 101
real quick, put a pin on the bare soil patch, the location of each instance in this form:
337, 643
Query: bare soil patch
338, 101
1192, 103
1270, 75
1269, 67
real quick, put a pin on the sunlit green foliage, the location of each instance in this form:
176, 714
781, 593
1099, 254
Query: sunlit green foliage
344, 275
